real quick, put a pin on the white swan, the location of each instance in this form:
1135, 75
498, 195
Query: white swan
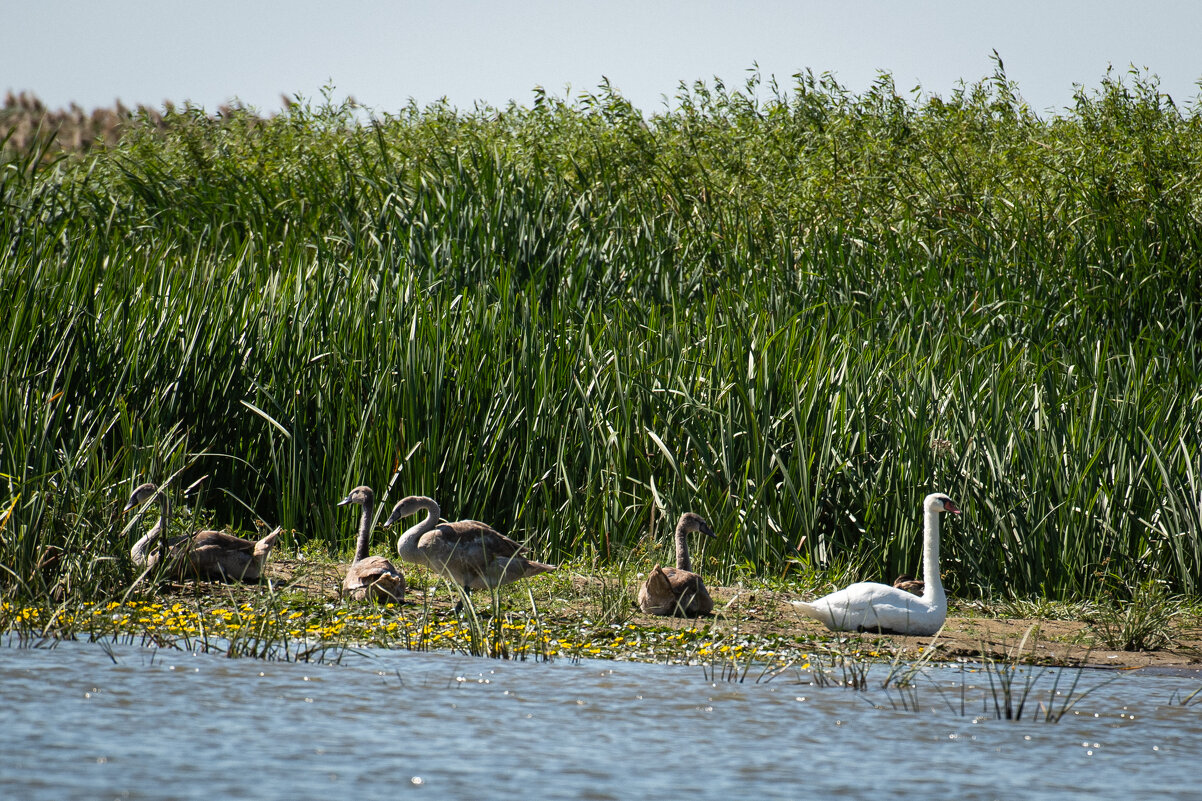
371, 577
468, 552
676, 590
211, 555
868, 606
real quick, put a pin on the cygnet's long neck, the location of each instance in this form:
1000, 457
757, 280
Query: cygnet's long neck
361, 545
140, 552
407, 545
682, 548
933, 592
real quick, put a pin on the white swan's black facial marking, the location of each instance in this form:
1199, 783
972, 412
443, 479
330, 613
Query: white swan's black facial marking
949, 505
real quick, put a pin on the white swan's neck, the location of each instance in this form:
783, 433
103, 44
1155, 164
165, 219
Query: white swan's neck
140, 552
361, 545
682, 549
407, 545
933, 592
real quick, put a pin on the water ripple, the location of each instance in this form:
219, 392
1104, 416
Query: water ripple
182, 726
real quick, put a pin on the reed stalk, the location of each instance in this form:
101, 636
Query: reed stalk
795, 315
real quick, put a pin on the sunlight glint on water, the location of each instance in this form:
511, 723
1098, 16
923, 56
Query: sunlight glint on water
78, 723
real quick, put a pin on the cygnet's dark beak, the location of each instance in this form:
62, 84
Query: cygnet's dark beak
345, 501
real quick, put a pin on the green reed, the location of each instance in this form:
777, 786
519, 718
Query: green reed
1136, 617
794, 316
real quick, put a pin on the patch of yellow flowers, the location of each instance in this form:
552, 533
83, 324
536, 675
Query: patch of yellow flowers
344, 625
388, 626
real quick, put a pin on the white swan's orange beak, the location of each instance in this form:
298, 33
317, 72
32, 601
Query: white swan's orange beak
948, 506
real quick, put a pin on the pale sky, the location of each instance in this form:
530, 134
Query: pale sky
384, 53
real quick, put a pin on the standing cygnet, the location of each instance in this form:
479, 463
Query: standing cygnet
212, 555
468, 552
372, 577
868, 606
676, 591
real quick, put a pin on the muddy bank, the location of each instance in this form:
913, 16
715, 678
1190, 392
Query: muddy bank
971, 637
570, 600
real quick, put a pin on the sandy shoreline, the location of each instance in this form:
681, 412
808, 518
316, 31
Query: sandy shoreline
1046, 641
768, 614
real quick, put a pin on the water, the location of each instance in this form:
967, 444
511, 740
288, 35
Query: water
77, 722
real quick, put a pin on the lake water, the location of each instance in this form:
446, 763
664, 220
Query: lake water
82, 721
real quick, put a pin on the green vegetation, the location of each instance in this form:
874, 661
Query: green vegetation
1139, 619
795, 316
297, 619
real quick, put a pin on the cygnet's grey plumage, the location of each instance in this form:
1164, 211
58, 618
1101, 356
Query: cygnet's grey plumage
213, 555
910, 584
372, 577
677, 591
468, 552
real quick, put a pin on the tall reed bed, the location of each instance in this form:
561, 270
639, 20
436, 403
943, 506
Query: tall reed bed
795, 316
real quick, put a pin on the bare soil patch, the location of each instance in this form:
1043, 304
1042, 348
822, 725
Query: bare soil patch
971, 637
768, 614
